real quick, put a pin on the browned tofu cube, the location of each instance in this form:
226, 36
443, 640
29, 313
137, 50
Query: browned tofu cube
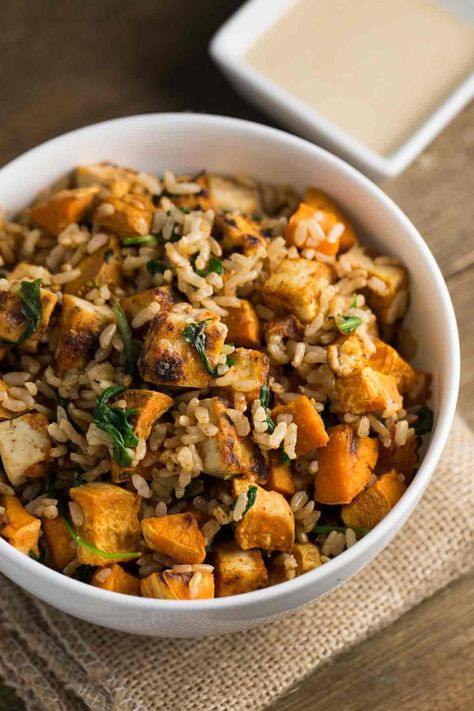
176, 536
348, 354
114, 178
237, 571
13, 322
21, 530
390, 304
102, 268
110, 521
169, 585
367, 391
307, 557
80, 326
253, 368
373, 504
233, 195
63, 208
311, 431
169, 359
284, 327
280, 478
243, 326
133, 304
386, 360
125, 216
22, 462
268, 524
60, 544
226, 454
117, 580
296, 286
240, 233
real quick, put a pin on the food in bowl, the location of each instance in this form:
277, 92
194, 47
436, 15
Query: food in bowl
201, 393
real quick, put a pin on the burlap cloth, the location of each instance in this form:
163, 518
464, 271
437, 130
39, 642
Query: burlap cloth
57, 662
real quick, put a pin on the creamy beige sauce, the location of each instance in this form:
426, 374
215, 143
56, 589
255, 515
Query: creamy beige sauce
375, 68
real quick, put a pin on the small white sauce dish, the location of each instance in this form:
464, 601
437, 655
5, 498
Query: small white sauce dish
187, 142
250, 24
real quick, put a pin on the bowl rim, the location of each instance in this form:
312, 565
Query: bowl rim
443, 418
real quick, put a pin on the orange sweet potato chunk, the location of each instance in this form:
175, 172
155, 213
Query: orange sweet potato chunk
118, 580
320, 200
387, 360
325, 220
243, 326
58, 541
368, 391
177, 536
280, 478
268, 524
370, 507
63, 208
168, 585
311, 430
345, 466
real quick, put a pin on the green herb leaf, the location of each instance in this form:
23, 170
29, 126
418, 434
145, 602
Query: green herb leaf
230, 361
125, 555
140, 239
214, 265
156, 267
126, 334
33, 556
265, 402
284, 457
195, 335
326, 530
115, 421
251, 497
185, 210
348, 324
107, 255
424, 423
30, 298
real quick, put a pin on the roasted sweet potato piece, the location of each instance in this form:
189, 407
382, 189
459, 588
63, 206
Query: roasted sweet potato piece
307, 557
80, 326
280, 478
268, 524
367, 391
373, 504
102, 268
253, 367
134, 303
22, 462
13, 322
321, 201
311, 430
176, 536
296, 286
404, 459
63, 208
345, 466
237, 571
176, 586
386, 360
110, 520
22, 529
150, 406
313, 228
118, 580
60, 545
125, 216
243, 326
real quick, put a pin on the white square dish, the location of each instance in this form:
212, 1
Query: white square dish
229, 46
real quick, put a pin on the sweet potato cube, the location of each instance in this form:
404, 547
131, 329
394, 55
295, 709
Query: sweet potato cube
345, 466
243, 326
253, 369
135, 303
238, 232
307, 557
60, 545
296, 286
22, 530
386, 360
110, 520
63, 208
405, 459
237, 571
311, 430
102, 268
268, 524
321, 201
80, 326
13, 323
373, 504
367, 391
168, 585
150, 406
348, 354
313, 228
125, 216
176, 536
22, 462
118, 580
280, 478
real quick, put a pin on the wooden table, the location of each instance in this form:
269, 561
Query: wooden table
66, 64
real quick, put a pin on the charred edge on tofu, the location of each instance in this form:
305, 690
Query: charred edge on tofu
115, 422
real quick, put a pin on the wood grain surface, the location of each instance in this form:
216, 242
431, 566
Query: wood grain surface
65, 64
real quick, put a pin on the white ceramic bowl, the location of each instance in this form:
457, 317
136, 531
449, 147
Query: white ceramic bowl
187, 142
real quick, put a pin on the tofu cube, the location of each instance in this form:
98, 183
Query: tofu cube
176, 536
80, 326
243, 326
237, 571
348, 354
117, 580
21, 530
169, 585
296, 286
168, 359
110, 521
115, 179
373, 504
311, 431
194, 201
367, 391
13, 322
307, 557
22, 462
284, 327
280, 478
268, 524
63, 208
386, 360
59, 542
321, 201
241, 233
133, 304
253, 368
226, 454
125, 216
101, 268
233, 195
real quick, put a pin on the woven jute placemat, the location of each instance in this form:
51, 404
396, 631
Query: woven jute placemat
57, 662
